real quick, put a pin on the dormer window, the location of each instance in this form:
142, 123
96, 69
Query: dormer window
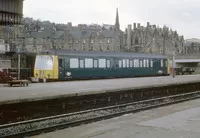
92, 41
100, 42
108, 41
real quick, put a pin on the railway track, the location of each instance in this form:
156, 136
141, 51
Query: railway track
48, 124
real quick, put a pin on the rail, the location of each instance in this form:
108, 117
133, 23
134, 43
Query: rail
47, 124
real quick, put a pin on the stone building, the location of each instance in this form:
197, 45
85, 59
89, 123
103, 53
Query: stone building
11, 12
192, 48
152, 39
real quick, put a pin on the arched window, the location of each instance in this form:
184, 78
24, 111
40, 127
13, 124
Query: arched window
136, 40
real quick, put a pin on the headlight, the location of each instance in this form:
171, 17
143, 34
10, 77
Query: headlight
68, 73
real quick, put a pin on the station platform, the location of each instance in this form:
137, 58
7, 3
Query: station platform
42, 91
175, 121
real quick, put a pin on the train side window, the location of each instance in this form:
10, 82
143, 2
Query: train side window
81, 62
144, 63
151, 63
124, 63
60, 63
161, 63
74, 63
108, 63
127, 63
131, 63
95, 63
147, 63
88, 63
120, 64
102, 63
136, 63
141, 64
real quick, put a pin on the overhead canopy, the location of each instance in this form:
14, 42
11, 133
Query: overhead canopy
187, 60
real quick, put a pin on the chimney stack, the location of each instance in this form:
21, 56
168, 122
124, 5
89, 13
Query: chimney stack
129, 37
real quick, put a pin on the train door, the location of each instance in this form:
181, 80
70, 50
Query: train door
61, 65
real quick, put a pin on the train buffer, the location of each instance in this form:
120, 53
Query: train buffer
21, 83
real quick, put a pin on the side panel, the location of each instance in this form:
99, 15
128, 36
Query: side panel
113, 71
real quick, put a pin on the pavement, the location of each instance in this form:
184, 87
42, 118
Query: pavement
180, 120
41, 91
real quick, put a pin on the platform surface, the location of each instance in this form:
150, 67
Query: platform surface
175, 121
37, 91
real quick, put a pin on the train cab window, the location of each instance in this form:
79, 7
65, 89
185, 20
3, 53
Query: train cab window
161, 63
60, 62
95, 63
147, 63
127, 63
151, 63
102, 63
108, 63
81, 63
88, 63
74, 63
120, 64
131, 63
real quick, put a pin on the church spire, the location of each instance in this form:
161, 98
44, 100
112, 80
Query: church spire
117, 21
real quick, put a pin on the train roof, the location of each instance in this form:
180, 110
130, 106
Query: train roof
104, 53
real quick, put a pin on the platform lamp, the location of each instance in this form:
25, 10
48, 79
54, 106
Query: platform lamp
173, 65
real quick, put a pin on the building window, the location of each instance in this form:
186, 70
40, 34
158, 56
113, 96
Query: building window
108, 47
84, 41
76, 41
92, 41
101, 48
161, 50
109, 41
136, 40
100, 42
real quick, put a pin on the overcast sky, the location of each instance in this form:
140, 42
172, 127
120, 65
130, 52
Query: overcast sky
180, 15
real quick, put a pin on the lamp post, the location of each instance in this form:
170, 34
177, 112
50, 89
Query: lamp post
173, 65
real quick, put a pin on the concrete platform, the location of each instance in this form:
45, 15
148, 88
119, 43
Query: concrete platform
60, 89
175, 121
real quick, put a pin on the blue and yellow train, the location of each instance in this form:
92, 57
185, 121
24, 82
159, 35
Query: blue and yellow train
65, 65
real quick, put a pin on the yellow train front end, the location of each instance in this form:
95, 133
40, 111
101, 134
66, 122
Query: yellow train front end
46, 67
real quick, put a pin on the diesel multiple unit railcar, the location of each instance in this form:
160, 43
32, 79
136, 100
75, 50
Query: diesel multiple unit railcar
65, 65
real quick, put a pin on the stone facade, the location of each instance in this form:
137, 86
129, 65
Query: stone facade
152, 39
36, 36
